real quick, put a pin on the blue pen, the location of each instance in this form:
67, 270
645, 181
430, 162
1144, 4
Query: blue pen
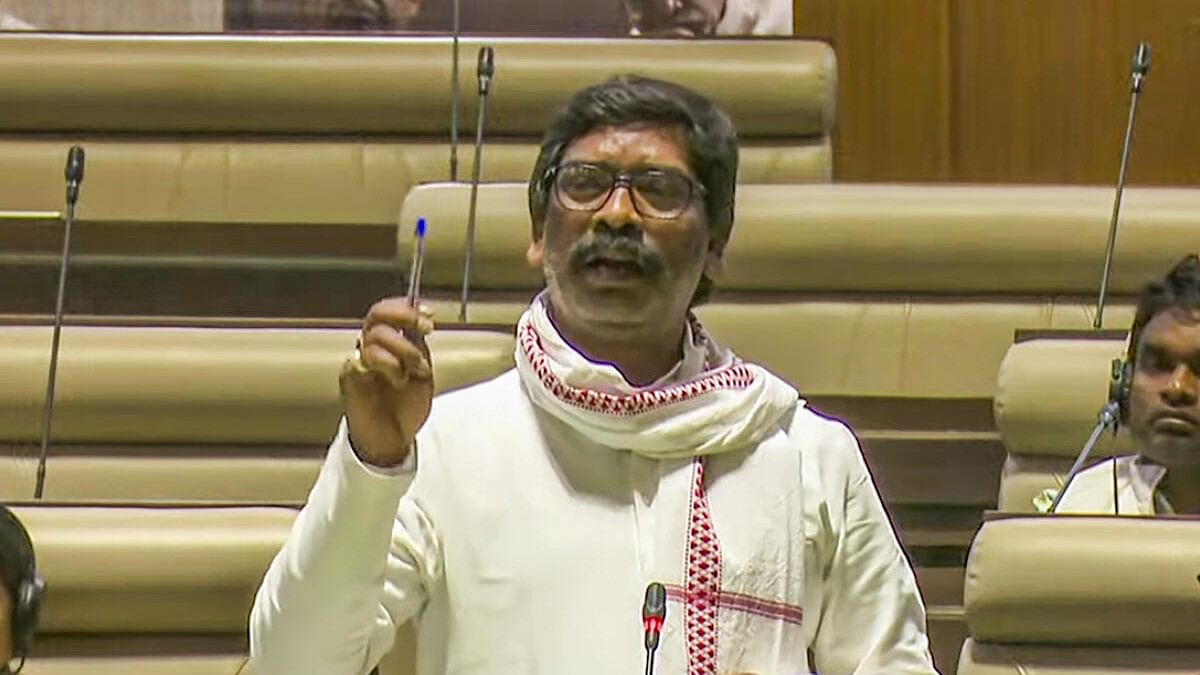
417, 266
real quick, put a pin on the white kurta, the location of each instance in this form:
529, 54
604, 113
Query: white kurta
1091, 491
523, 547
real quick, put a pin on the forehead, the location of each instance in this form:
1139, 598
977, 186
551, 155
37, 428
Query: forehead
1174, 329
632, 145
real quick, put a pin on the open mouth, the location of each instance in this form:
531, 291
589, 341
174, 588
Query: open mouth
616, 267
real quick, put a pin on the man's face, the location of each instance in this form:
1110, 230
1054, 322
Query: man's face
678, 18
619, 265
1164, 402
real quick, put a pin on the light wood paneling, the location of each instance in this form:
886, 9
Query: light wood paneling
1010, 90
894, 85
1041, 90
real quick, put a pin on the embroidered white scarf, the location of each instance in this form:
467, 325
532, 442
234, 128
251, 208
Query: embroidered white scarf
711, 402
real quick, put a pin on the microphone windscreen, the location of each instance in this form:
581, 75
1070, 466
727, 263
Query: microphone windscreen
655, 605
1141, 58
485, 67
74, 170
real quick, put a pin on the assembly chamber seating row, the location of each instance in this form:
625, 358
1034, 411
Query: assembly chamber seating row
227, 244
223, 163
882, 283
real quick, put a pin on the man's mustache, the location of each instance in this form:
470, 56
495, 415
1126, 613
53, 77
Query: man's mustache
609, 247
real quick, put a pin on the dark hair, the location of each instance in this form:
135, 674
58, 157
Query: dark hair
1179, 289
16, 554
632, 99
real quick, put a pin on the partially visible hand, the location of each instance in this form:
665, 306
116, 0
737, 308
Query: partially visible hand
387, 392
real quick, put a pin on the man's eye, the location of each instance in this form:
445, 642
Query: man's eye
1157, 363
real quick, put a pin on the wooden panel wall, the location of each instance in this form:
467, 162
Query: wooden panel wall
184, 16
893, 85
1010, 90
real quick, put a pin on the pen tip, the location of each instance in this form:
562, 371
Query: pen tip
420, 227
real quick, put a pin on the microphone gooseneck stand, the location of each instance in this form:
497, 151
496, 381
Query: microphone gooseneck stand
74, 177
486, 70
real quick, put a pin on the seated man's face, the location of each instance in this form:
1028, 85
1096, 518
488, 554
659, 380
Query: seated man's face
1164, 402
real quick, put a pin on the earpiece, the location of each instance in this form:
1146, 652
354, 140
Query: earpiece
1121, 378
31, 588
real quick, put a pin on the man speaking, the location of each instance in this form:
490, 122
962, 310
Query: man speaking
519, 521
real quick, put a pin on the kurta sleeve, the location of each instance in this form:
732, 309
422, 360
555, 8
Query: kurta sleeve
355, 566
871, 617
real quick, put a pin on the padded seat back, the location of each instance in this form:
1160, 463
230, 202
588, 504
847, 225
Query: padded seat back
1083, 595
151, 590
873, 278
335, 130
1048, 395
241, 414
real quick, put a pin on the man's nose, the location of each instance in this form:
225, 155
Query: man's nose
1182, 387
618, 212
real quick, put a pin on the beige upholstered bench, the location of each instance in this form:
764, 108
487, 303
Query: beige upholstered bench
231, 162
193, 414
1080, 595
148, 590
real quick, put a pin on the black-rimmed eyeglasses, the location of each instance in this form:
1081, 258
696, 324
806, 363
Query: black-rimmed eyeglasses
657, 193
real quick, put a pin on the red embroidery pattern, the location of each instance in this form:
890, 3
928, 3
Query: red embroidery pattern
702, 581
735, 376
740, 602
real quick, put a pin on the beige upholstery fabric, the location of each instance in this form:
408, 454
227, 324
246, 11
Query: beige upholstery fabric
1048, 394
184, 131
869, 345
239, 415
136, 665
1077, 581
1024, 478
993, 659
153, 590
174, 473
314, 84
204, 385
156, 590
181, 570
867, 238
318, 181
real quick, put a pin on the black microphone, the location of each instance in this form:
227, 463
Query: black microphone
486, 72
654, 613
1140, 70
74, 173
74, 177
1141, 66
486, 69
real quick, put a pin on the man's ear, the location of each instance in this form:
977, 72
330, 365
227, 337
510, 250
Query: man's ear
714, 259
535, 254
